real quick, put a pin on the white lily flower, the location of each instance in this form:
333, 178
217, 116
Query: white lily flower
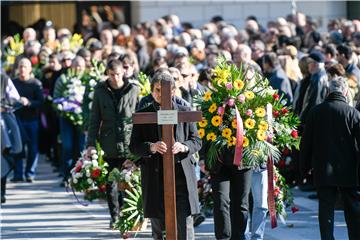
95, 163
90, 105
75, 181
88, 174
92, 83
94, 156
127, 178
93, 151
60, 107
91, 95
90, 181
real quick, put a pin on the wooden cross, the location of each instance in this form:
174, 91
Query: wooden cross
168, 157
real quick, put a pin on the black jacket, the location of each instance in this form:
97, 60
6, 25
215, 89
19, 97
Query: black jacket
331, 142
110, 120
32, 90
152, 164
315, 94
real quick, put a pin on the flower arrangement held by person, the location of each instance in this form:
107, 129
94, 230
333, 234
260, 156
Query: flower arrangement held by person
89, 175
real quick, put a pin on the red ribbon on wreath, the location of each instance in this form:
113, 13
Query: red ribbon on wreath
270, 169
271, 199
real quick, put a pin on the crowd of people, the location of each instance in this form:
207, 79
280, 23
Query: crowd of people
306, 66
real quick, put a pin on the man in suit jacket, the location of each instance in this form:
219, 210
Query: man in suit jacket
330, 146
146, 143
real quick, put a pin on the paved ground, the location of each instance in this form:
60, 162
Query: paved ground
43, 210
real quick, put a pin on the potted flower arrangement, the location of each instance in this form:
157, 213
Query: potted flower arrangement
89, 175
131, 213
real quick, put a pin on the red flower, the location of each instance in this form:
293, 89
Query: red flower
125, 235
276, 96
102, 188
286, 151
284, 110
95, 173
294, 209
34, 60
294, 134
276, 192
276, 113
282, 163
78, 167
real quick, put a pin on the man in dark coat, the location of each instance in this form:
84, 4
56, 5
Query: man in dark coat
146, 143
277, 77
114, 102
330, 146
318, 86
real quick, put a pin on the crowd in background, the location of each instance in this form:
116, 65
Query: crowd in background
291, 52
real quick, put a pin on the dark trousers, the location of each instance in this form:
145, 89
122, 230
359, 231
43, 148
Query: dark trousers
113, 196
72, 143
327, 199
185, 227
29, 136
231, 188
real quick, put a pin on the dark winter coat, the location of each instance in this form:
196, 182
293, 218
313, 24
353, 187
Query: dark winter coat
278, 80
110, 122
152, 164
315, 94
331, 142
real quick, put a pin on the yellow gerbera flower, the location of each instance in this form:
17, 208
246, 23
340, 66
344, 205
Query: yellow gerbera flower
238, 84
231, 142
245, 142
263, 125
207, 96
212, 108
233, 123
216, 121
201, 132
226, 133
203, 123
250, 123
261, 135
211, 136
249, 95
260, 112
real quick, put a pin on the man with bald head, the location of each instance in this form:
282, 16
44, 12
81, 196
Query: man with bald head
242, 56
31, 98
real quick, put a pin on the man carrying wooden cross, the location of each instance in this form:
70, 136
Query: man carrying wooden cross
146, 141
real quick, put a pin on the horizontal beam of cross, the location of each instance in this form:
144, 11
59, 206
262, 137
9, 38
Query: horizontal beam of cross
149, 118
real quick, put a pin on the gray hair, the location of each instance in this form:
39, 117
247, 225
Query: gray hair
162, 74
338, 84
